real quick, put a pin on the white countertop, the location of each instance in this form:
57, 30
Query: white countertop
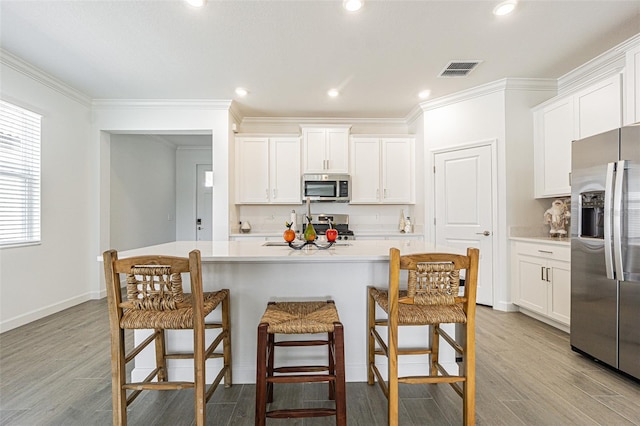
546, 240
255, 251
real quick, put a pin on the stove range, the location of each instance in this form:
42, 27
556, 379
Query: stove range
339, 221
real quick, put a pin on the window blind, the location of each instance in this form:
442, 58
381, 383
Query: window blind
19, 175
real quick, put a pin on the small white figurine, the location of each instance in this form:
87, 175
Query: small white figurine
557, 216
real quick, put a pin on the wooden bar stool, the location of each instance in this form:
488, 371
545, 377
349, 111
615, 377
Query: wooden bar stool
300, 318
155, 301
431, 299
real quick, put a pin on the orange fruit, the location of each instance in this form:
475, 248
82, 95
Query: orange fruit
289, 235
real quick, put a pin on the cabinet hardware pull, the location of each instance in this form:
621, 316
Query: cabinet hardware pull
485, 233
542, 273
385, 193
545, 251
548, 269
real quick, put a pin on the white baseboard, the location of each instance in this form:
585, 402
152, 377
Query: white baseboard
97, 295
505, 307
39, 313
549, 321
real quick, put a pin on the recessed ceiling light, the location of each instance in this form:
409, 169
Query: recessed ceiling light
424, 94
352, 5
333, 93
196, 3
241, 91
505, 7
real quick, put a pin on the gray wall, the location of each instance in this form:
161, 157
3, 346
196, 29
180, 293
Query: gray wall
143, 192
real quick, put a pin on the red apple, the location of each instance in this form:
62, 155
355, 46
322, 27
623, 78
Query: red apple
331, 234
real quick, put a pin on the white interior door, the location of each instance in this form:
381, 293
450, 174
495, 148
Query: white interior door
204, 202
463, 203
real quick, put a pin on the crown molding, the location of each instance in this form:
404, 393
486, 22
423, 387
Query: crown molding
629, 43
505, 84
318, 121
608, 63
235, 113
25, 68
413, 115
209, 104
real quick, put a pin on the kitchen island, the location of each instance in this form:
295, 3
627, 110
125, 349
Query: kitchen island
255, 274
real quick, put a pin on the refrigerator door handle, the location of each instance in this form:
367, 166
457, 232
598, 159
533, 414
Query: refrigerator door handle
617, 221
608, 210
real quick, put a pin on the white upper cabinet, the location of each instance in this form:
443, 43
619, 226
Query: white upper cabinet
268, 170
382, 170
285, 175
325, 149
366, 169
252, 170
632, 86
553, 135
557, 123
598, 108
398, 174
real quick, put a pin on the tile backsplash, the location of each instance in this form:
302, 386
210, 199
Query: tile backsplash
362, 218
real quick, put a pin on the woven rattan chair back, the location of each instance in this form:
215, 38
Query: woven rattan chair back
433, 283
154, 287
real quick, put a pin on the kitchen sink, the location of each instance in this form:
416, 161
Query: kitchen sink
285, 244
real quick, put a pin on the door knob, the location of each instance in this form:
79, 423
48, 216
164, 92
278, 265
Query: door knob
485, 233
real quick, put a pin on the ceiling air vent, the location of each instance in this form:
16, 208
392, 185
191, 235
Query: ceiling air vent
458, 68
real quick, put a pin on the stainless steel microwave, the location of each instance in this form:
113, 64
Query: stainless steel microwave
326, 187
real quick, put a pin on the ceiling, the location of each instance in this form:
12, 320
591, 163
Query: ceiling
288, 54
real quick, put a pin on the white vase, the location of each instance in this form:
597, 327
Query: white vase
245, 228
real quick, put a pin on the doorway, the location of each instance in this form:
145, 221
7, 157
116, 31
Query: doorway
204, 202
464, 201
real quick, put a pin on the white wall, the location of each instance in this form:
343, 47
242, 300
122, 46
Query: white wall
522, 208
419, 210
498, 111
31, 278
157, 117
142, 192
186, 160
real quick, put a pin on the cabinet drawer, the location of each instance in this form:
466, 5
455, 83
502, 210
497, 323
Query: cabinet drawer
548, 251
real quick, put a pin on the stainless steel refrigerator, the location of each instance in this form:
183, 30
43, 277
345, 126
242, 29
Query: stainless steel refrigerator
605, 248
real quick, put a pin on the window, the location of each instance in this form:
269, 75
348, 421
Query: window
19, 176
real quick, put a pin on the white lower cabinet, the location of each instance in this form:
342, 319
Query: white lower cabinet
541, 280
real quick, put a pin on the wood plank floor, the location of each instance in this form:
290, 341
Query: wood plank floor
55, 371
